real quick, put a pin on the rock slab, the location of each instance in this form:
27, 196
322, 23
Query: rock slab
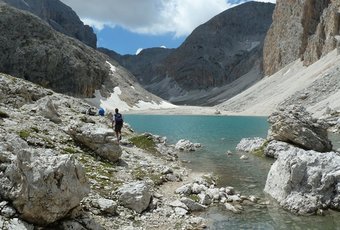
295, 125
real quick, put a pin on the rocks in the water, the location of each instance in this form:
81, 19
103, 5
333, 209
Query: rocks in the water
99, 139
232, 208
136, 196
186, 145
296, 126
42, 185
197, 196
250, 144
305, 181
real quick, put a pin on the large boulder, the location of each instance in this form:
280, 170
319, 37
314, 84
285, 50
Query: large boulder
305, 181
296, 126
47, 108
42, 185
98, 138
135, 195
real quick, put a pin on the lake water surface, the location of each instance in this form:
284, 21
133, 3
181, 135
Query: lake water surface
218, 135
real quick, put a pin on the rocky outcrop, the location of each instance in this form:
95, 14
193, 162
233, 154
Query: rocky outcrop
301, 29
42, 185
100, 139
305, 181
59, 16
216, 53
296, 126
32, 50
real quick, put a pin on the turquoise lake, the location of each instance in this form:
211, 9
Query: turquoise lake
218, 135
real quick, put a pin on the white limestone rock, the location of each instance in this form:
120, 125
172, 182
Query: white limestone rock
135, 195
43, 185
250, 144
305, 181
185, 189
98, 138
105, 205
275, 147
186, 145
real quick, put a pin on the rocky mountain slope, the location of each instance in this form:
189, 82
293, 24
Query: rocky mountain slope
60, 16
300, 51
32, 50
301, 29
317, 87
226, 48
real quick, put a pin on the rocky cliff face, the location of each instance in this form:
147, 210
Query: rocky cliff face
301, 29
61, 17
216, 53
31, 49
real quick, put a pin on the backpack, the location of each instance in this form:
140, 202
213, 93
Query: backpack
118, 118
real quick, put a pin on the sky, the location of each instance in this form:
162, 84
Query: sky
128, 26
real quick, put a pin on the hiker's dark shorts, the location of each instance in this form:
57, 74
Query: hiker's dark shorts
118, 127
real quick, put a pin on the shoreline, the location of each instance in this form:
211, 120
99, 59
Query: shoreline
193, 110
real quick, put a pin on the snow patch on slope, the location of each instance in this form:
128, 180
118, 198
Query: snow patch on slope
114, 101
112, 67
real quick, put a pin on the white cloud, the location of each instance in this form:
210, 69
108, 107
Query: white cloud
154, 17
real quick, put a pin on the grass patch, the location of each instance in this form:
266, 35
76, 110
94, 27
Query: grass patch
260, 151
70, 150
140, 174
3, 114
194, 197
144, 142
24, 134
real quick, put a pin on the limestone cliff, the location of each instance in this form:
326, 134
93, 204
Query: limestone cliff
60, 16
303, 29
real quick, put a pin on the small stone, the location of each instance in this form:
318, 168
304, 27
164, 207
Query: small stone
181, 211
179, 204
244, 157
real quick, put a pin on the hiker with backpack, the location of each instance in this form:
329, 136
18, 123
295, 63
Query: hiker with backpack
117, 122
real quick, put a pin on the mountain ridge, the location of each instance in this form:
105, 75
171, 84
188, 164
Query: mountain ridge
204, 62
